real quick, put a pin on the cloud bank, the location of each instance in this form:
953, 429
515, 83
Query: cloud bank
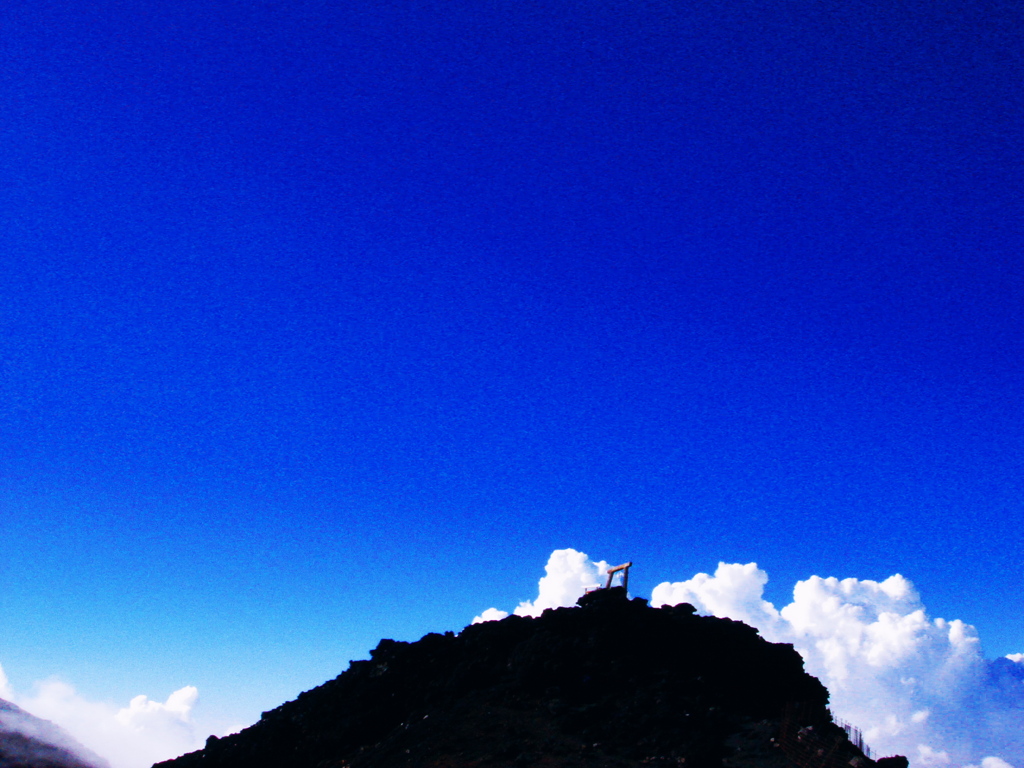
915, 685
135, 736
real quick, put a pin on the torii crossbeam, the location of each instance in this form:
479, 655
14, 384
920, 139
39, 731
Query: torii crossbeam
625, 575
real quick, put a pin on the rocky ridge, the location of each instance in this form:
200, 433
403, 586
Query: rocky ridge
611, 683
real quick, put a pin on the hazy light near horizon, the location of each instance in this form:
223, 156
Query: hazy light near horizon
135, 736
916, 685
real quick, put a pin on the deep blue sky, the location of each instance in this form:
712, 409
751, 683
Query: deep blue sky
321, 322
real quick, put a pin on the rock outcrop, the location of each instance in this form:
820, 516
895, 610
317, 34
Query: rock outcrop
611, 683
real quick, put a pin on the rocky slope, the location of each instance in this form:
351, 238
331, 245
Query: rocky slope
27, 741
612, 683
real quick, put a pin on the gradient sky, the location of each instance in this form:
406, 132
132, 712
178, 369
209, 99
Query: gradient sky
328, 321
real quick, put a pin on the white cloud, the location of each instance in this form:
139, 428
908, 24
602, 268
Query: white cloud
568, 575
992, 762
142, 713
916, 686
928, 757
734, 591
135, 736
491, 614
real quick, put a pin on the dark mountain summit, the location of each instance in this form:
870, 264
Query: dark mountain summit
611, 683
27, 741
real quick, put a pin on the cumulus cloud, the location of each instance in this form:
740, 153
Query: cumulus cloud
567, 576
491, 614
915, 685
929, 757
734, 591
135, 736
993, 762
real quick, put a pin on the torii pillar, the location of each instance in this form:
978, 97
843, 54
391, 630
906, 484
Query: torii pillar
625, 575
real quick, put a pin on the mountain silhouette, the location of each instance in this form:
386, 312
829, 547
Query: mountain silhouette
610, 683
27, 741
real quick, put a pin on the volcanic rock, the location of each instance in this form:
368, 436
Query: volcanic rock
611, 683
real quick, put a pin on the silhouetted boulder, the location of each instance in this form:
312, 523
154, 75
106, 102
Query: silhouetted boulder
898, 761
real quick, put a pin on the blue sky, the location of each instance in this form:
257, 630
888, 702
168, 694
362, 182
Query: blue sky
322, 322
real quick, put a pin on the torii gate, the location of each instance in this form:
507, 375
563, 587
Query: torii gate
625, 575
